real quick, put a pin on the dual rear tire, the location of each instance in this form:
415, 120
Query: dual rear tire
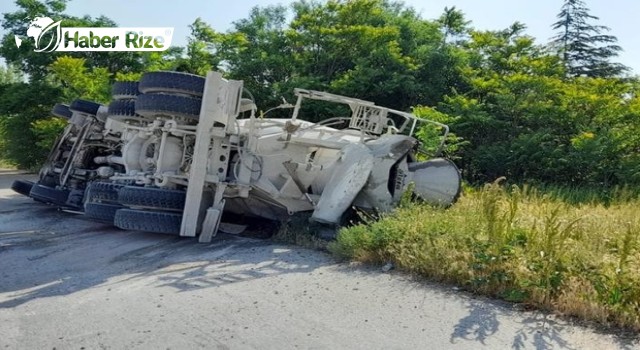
170, 94
150, 209
135, 208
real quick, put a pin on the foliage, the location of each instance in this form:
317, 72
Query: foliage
199, 60
431, 136
35, 64
370, 49
522, 119
10, 75
23, 104
520, 245
78, 81
47, 131
584, 47
453, 23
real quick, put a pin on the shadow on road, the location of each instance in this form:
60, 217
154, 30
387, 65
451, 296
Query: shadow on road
482, 322
59, 263
45, 252
538, 329
478, 325
543, 335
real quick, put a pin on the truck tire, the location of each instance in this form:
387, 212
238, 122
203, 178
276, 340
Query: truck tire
22, 186
172, 82
151, 105
103, 192
101, 211
122, 107
84, 106
124, 90
61, 110
49, 195
151, 197
149, 221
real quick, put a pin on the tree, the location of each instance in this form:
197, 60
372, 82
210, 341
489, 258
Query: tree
258, 52
584, 48
509, 117
201, 55
453, 23
523, 119
370, 49
32, 63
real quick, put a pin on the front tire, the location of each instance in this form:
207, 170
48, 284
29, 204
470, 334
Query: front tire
22, 186
49, 195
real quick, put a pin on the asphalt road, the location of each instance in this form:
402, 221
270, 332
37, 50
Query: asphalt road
69, 283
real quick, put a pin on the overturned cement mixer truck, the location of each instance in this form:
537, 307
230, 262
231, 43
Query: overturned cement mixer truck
175, 151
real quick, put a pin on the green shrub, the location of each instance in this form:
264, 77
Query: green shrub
21, 105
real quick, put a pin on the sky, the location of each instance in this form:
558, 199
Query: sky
619, 15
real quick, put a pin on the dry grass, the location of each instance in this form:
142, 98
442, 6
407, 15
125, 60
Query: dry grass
520, 245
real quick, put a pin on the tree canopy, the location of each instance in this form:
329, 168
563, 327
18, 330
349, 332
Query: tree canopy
584, 47
550, 113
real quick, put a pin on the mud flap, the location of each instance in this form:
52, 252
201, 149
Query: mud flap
211, 224
349, 177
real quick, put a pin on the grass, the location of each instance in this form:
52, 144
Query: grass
557, 250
